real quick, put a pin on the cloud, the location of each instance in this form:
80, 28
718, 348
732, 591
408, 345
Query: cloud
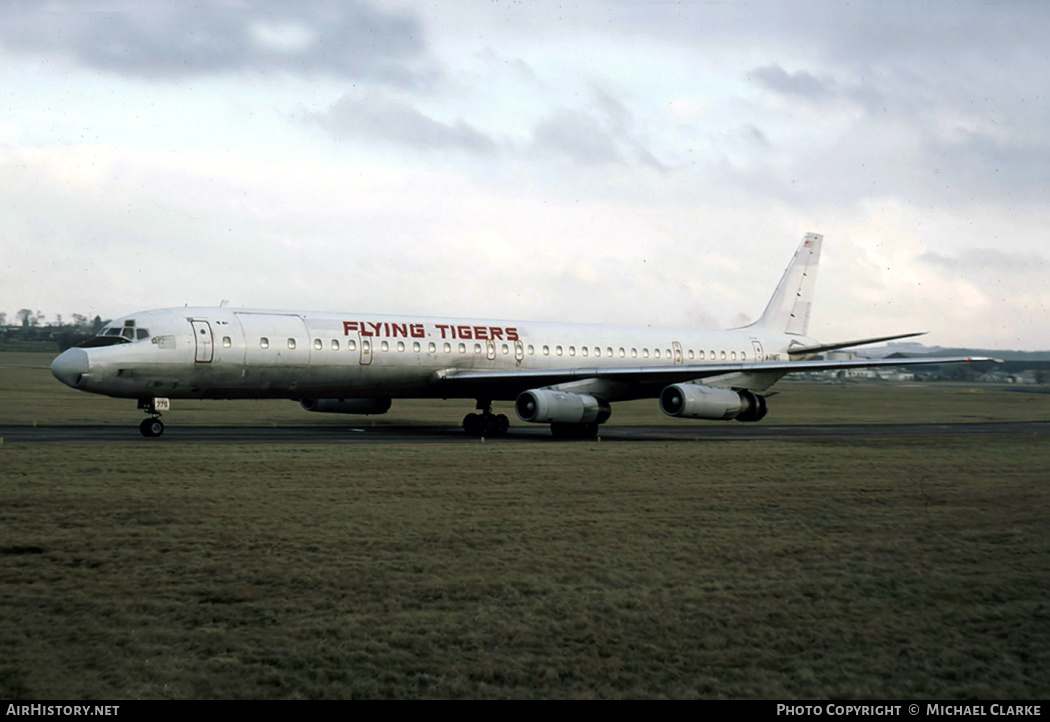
376, 117
800, 83
604, 133
973, 261
171, 40
577, 136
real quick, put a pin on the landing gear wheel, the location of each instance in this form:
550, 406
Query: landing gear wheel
151, 428
756, 407
472, 424
486, 424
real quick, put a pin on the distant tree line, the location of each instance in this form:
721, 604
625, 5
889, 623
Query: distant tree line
31, 330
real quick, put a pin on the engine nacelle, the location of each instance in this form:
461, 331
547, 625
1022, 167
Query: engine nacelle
346, 406
548, 406
697, 401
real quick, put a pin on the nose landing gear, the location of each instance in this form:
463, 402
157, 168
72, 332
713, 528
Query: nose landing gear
153, 426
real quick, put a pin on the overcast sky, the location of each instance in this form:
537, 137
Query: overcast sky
608, 162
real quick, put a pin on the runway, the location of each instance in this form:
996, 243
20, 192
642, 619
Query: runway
175, 434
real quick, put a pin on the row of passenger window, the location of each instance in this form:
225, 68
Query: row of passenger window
531, 350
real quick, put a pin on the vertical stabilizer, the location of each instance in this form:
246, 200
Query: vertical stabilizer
788, 310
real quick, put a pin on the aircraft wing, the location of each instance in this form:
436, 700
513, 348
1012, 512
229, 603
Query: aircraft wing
511, 382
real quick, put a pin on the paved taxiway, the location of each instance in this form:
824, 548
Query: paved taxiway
429, 434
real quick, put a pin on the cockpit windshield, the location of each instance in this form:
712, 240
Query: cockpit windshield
116, 334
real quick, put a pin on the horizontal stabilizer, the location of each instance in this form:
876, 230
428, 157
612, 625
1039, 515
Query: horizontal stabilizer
821, 348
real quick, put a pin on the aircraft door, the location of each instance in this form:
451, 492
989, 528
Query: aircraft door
519, 353
490, 349
758, 349
677, 349
205, 344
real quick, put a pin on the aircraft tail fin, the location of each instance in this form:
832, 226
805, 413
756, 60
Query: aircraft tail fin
789, 308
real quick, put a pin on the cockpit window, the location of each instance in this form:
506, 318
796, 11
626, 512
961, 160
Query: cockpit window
112, 335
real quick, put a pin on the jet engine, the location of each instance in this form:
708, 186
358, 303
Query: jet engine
346, 406
543, 406
697, 401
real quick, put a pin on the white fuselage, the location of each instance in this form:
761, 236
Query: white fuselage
242, 353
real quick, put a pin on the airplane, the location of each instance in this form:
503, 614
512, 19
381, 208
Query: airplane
563, 374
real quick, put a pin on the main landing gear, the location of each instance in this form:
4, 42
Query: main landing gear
486, 423
153, 426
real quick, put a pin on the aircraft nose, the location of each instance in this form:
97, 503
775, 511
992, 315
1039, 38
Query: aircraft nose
70, 366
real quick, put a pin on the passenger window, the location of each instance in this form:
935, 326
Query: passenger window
415, 347
531, 350
351, 345
505, 349
291, 343
723, 355
572, 350
583, 351
734, 355
623, 353
463, 348
657, 353
701, 355
634, 353
264, 342
477, 348
335, 344
432, 347
546, 350
384, 346
557, 350
227, 342
400, 346
448, 348
318, 345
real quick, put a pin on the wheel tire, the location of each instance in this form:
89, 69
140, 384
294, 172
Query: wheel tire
151, 428
472, 424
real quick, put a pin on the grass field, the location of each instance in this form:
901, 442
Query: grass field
882, 568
